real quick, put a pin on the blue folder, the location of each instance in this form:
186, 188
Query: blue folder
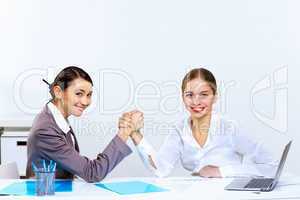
28, 188
130, 187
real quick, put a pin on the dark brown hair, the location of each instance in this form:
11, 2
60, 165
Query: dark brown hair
66, 76
203, 74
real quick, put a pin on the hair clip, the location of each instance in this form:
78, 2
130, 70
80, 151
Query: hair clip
47, 83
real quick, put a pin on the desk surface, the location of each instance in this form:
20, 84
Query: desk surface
180, 188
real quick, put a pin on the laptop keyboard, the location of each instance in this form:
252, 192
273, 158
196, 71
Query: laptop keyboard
260, 183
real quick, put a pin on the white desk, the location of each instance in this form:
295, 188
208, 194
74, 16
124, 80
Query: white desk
181, 188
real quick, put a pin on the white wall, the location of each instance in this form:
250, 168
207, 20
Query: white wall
137, 53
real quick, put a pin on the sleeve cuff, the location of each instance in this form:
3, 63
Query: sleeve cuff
144, 147
145, 150
226, 171
123, 147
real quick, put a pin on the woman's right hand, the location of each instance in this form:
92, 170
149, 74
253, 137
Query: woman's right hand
126, 127
137, 119
130, 124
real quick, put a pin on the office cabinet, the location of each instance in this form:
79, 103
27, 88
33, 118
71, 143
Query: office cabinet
14, 148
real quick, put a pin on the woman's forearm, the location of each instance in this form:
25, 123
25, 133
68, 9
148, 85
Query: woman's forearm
136, 137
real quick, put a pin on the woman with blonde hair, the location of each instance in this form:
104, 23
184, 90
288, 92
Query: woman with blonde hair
206, 144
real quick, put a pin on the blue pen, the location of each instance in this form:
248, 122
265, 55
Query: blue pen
44, 165
54, 167
34, 167
50, 166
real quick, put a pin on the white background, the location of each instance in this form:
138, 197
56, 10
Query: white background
137, 53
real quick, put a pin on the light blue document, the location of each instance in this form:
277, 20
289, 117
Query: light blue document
28, 188
131, 187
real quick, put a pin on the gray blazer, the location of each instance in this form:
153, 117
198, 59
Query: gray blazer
48, 141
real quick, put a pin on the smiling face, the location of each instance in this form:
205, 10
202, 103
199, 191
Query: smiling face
198, 98
75, 98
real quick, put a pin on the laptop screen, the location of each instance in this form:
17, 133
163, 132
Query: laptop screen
282, 161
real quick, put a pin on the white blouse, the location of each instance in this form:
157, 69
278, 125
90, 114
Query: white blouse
225, 147
59, 119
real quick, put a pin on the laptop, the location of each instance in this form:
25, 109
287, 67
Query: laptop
260, 184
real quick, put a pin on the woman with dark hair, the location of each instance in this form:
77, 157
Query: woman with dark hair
205, 143
52, 138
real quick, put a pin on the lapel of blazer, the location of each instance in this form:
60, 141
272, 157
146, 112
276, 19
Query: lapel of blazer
75, 140
49, 114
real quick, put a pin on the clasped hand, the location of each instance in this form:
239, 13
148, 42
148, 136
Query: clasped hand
131, 122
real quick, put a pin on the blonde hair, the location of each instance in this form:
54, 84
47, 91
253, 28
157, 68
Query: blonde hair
203, 74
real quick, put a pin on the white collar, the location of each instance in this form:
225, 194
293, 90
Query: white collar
213, 129
61, 122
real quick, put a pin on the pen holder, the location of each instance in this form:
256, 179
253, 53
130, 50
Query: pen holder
45, 182
45, 177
